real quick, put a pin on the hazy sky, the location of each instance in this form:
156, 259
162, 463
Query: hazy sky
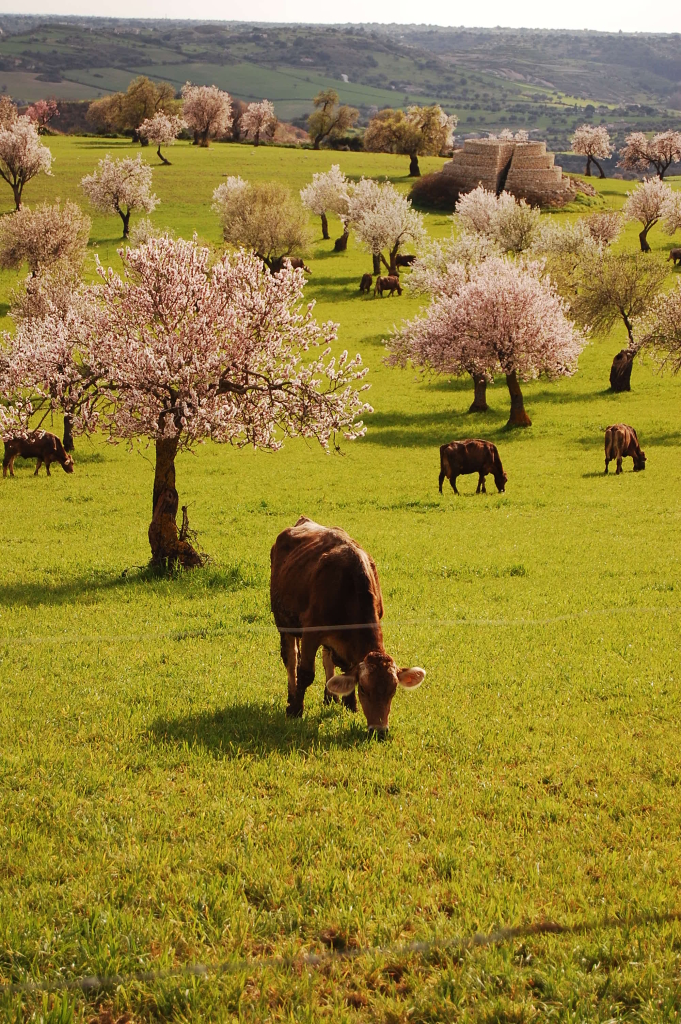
605, 15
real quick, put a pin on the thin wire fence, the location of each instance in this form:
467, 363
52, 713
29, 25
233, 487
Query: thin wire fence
453, 945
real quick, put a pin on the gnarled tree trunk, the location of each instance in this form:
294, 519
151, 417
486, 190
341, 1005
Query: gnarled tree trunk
325, 227
602, 172
518, 417
480, 399
620, 371
377, 262
414, 169
643, 238
168, 547
68, 433
162, 158
587, 172
341, 244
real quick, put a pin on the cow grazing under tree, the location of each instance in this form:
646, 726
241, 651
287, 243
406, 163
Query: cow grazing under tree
366, 283
621, 442
324, 592
387, 284
39, 445
459, 458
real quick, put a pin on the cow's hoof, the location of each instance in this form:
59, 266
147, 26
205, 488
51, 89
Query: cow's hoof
292, 711
378, 734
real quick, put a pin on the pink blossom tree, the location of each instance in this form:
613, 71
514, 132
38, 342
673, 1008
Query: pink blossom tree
512, 224
22, 155
207, 111
605, 227
326, 193
646, 204
41, 113
505, 317
258, 121
182, 349
120, 186
593, 142
383, 220
639, 152
663, 329
49, 234
671, 212
162, 129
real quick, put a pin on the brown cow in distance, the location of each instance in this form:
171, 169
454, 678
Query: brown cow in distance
404, 260
674, 256
472, 456
621, 442
366, 283
387, 284
40, 445
295, 261
324, 592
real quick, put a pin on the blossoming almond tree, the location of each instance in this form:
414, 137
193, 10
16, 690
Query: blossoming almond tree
41, 113
120, 186
383, 220
640, 152
22, 155
663, 329
646, 204
326, 193
671, 212
162, 129
258, 121
43, 236
180, 350
504, 317
207, 111
593, 142
512, 224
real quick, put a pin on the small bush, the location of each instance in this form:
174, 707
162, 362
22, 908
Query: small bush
435, 192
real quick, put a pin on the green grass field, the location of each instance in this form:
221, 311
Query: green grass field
157, 809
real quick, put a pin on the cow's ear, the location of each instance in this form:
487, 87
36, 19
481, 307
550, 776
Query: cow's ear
410, 678
341, 685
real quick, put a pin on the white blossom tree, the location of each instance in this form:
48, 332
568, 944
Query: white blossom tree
509, 222
661, 151
605, 227
22, 155
663, 329
646, 205
593, 142
383, 220
671, 212
207, 111
49, 234
258, 121
162, 129
326, 193
505, 317
120, 186
182, 349
262, 216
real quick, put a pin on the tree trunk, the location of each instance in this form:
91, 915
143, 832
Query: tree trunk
620, 371
204, 140
587, 172
414, 169
394, 272
602, 172
643, 238
17, 189
144, 141
196, 138
125, 217
518, 417
162, 158
68, 433
316, 143
325, 227
168, 547
341, 244
376, 257
480, 399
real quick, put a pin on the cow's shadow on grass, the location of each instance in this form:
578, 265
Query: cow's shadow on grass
245, 730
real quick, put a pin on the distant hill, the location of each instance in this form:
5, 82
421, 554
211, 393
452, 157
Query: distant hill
543, 81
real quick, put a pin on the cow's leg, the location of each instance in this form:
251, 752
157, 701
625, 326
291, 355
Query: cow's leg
440, 480
329, 673
481, 484
607, 463
308, 652
619, 465
5, 464
47, 466
289, 655
452, 481
38, 464
11, 465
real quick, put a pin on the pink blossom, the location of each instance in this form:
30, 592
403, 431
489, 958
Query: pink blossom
593, 142
22, 155
207, 110
259, 121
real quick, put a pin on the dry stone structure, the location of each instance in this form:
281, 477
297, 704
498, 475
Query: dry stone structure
524, 169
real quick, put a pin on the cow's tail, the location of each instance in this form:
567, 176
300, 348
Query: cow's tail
443, 467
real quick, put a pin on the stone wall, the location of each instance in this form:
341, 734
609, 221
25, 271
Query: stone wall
524, 169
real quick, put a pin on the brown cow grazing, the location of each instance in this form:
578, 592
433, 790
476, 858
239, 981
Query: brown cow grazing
387, 284
621, 441
324, 592
461, 457
295, 261
675, 256
405, 260
38, 445
366, 283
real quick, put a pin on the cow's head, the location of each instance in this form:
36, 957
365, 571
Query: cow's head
376, 679
500, 479
639, 460
68, 463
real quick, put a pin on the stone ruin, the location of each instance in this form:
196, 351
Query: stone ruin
524, 169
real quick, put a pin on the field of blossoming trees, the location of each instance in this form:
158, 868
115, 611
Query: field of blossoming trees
157, 808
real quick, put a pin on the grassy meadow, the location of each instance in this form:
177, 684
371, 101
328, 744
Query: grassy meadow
157, 809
